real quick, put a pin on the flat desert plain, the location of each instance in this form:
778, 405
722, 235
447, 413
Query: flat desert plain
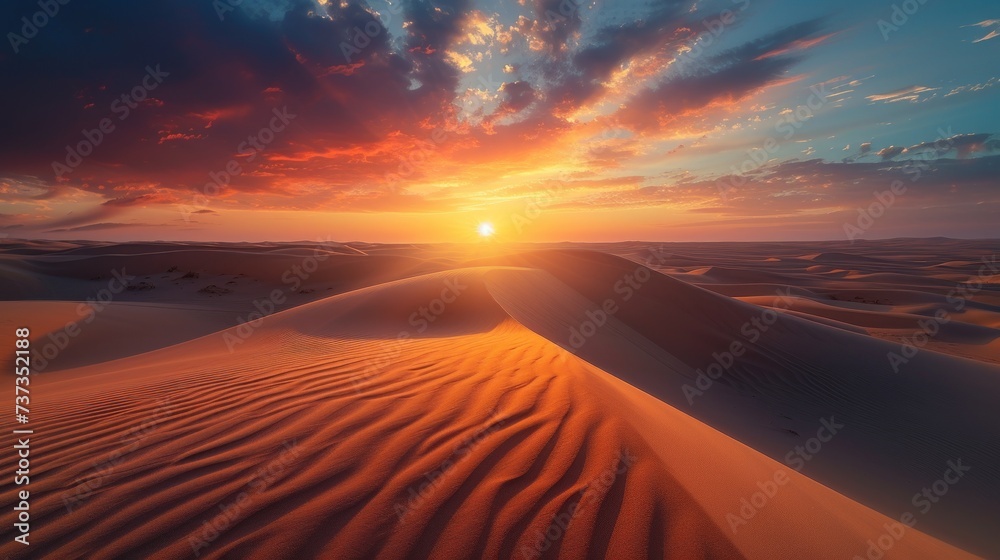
629, 400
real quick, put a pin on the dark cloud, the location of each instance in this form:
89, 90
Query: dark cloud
725, 77
517, 96
963, 145
773, 44
616, 43
223, 79
557, 21
671, 99
433, 27
890, 152
581, 78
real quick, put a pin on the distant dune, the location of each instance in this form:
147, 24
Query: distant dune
508, 402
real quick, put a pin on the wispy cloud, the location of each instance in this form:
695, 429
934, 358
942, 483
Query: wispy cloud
911, 93
987, 24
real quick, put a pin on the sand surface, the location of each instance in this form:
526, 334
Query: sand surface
507, 402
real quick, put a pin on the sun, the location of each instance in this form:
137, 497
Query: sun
486, 229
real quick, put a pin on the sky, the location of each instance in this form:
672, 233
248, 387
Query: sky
552, 120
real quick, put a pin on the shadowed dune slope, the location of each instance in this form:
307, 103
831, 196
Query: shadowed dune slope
901, 427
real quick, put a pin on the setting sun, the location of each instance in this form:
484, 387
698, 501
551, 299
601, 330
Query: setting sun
486, 229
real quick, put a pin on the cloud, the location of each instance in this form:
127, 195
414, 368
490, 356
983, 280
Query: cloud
515, 97
555, 22
582, 77
432, 27
890, 152
79, 218
988, 23
613, 44
962, 145
10, 222
911, 93
96, 227
724, 78
972, 88
353, 97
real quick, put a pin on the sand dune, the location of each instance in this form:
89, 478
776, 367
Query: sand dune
521, 444
451, 413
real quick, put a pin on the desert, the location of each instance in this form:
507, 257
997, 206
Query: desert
618, 400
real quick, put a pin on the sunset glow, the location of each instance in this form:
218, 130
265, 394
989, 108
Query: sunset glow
624, 120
